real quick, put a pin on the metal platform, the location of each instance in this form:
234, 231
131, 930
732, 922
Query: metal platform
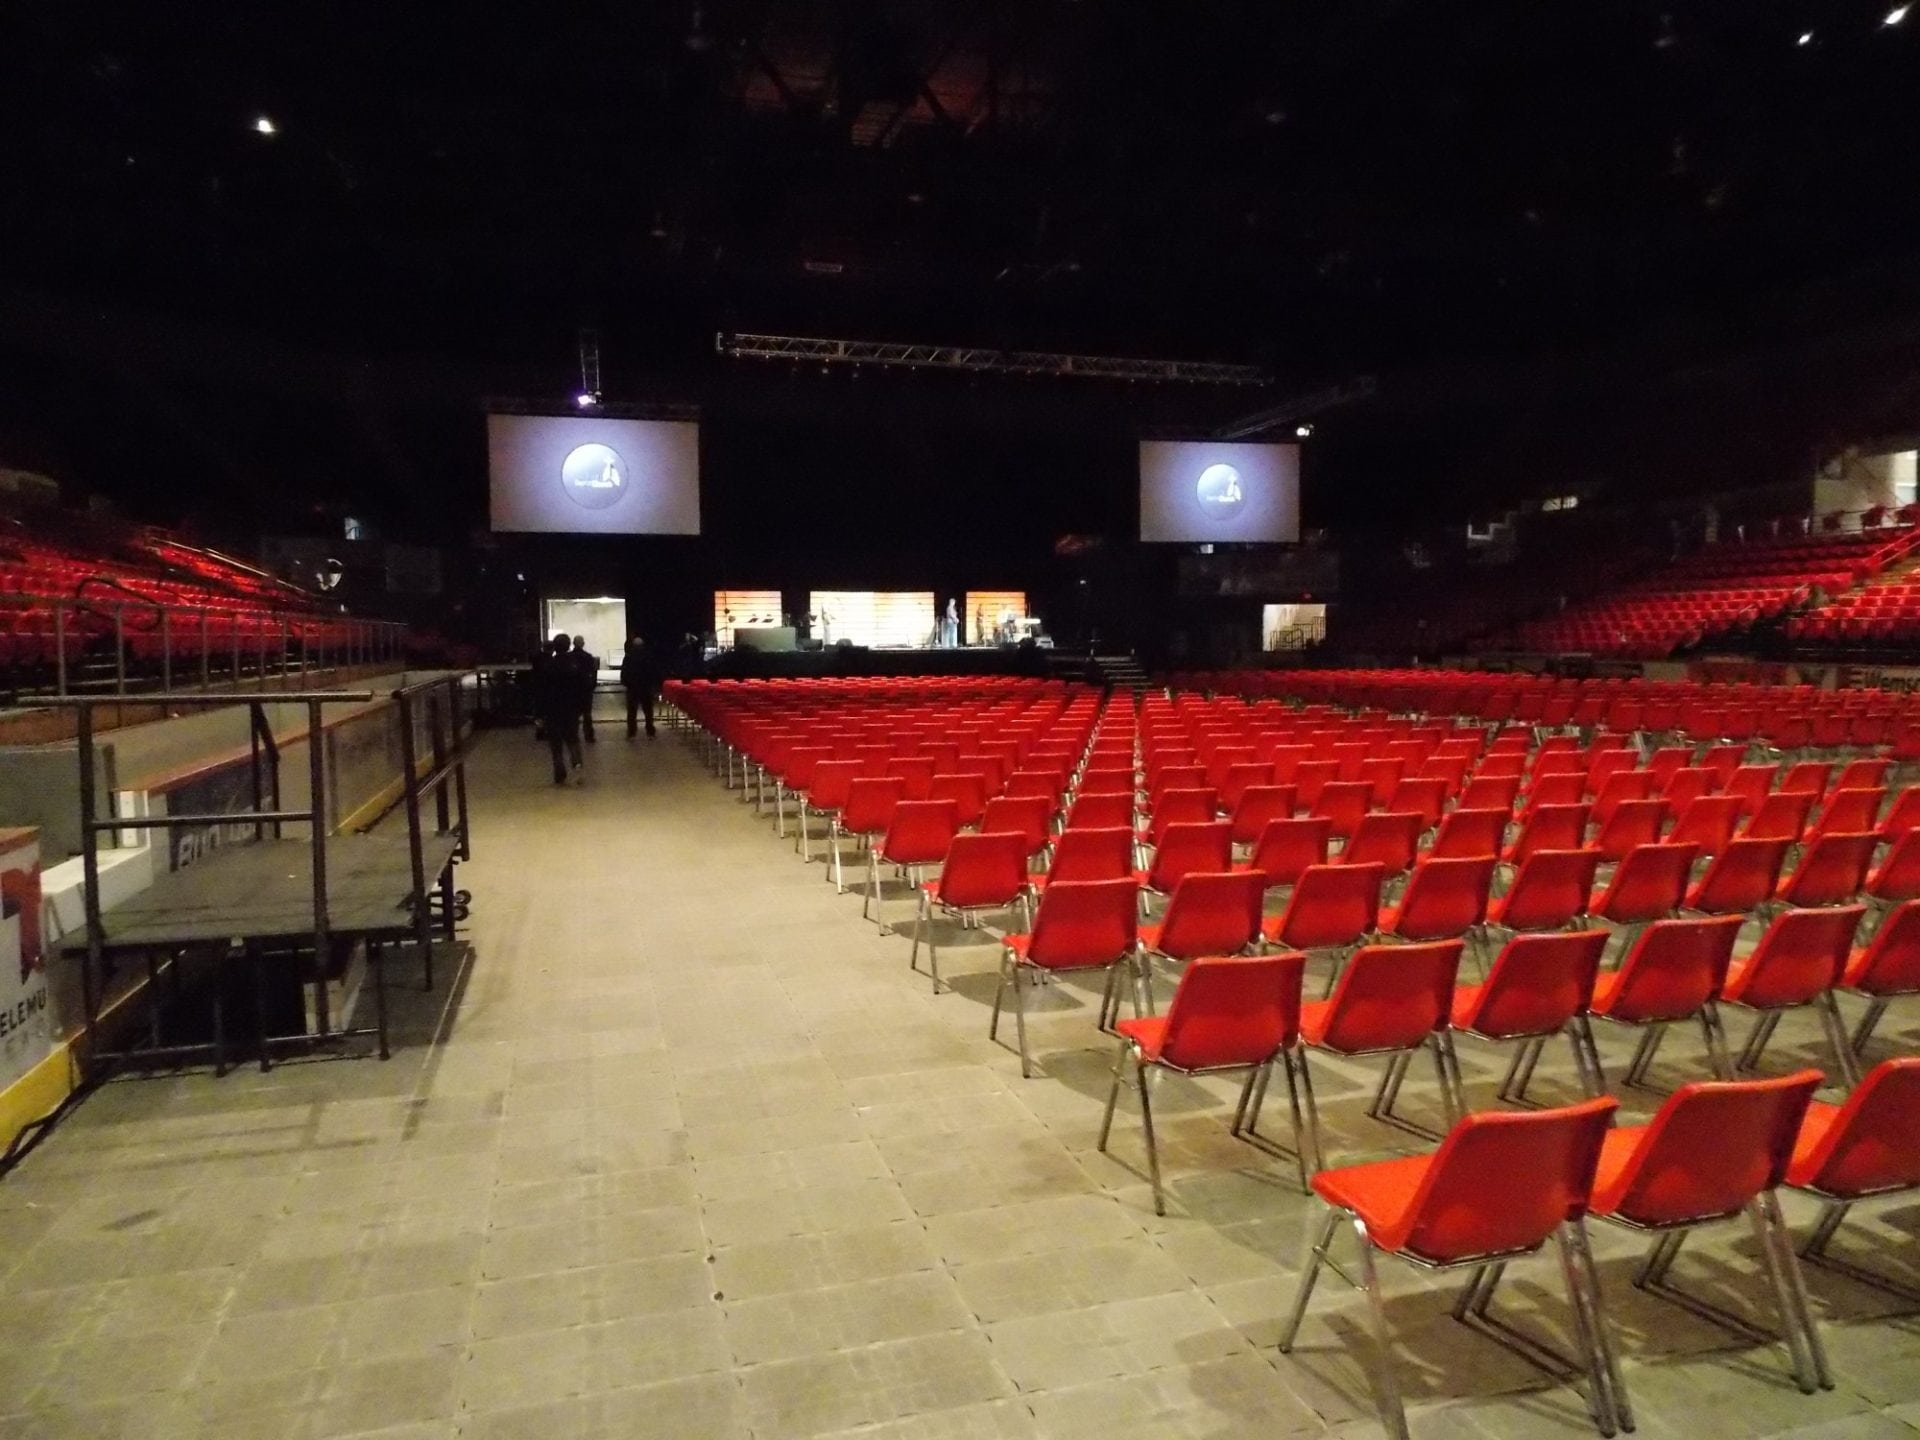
262, 892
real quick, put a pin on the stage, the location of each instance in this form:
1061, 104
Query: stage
847, 660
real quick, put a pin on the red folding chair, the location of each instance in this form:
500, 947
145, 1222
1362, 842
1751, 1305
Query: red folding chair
1539, 986
1866, 1149
1832, 871
1672, 973
983, 874
919, 834
1465, 834
1715, 1151
1445, 899
1211, 913
865, 816
1087, 853
1498, 1188
1332, 907
1229, 1013
1797, 963
1185, 849
1080, 925
1286, 848
1886, 969
1742, 878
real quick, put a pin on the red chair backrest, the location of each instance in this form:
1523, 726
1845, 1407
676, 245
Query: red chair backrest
1085, 922
1563, 788
1869, 1145
1832, 870
1502, 1182
1802, 954
1232, 1011
1683, 787
1444, 898
1385, 838
870, 804
1552, 887
1102, 812
1344, 802
1633, 823
1260, 805
1811, 776
1181, 807
984, 869
1023, 815
1866, 772
1674, 968
1621, 787
1742, 877
1466, 833
1712, 1147
1890, 964
1309, 778
1212, 913
801, 762
1287, 847
830, 783
1332, 905
1490, 792
921, 832
1241, 778
1752, 783
1106, 782
967, 791
1042, 783
1088, 853
1780, 817
1537, 984
1669, 760
1849, 811
1651, 883
1391, 997
1550, 827
914, 772
1708, 821
1904, 817
1187, 847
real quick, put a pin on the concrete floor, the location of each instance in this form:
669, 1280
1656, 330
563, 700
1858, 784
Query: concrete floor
687, 1151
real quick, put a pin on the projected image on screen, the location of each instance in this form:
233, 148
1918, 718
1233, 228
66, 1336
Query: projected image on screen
1202, 490
586, 475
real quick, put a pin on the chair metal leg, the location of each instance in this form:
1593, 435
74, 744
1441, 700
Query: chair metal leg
1864, 1030
1389, 1088
1386, 1387
873, 885
1797, 1290
1019, 1018
1319, 1159
1140, 1071
1255, 1073
1446, 1062
1831, 1215
1802, 1362
1113, 1095
1659, 1258
1300, 1157
1717, 1041
805, 853
1602, 1331
1843, 1054
833, 839
1756, 1045
999, 994
1600, 1399
1317, 1247
1643, 1054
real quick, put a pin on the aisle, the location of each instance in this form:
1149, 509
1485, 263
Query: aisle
692, 1153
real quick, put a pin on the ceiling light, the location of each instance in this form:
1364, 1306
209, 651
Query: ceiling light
1896, 15
263, 125
1806, 38
1303, 431
586, 399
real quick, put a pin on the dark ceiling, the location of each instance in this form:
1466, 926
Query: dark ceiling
1327, 187
1321, 184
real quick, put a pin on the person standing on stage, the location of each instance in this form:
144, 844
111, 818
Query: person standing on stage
640, 678
556, 704
950, 627
586, 678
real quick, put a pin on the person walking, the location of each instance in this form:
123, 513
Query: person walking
556, 705
586, 679
640, 678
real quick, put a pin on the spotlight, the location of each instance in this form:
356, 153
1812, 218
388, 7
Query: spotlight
263, 124
1896, 15
587, 399
1303, 431
1806, 38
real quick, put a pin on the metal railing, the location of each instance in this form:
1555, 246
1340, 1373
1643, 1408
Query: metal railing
92, 646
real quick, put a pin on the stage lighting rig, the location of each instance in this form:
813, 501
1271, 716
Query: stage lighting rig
978, 359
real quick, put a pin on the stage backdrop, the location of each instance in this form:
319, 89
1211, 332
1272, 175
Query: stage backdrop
870, 617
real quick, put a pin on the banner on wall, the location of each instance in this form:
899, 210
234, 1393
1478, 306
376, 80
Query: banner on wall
26, 1019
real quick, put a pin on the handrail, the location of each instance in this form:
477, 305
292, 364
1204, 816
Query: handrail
194, 697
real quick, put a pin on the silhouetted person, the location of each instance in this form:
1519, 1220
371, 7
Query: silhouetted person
556, 705
585, 668
640, 677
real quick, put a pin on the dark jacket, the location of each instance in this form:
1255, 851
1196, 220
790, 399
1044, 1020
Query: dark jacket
584, 667
639, 668
554, 688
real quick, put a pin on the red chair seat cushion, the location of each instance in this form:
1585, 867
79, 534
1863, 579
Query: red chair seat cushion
1380, 1193
1149, 1032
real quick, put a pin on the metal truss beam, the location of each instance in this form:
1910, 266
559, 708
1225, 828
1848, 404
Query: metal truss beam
605, 410
1299, 407
981, 359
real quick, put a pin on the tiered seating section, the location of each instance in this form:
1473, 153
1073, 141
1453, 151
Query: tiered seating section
1599, 863
1715, 594
91, 588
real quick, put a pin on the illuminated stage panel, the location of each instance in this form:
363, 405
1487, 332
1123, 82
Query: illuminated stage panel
747, 607
983, 610
873, 617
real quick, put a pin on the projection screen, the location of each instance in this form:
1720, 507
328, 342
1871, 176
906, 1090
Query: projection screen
1196, 491
581, 474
